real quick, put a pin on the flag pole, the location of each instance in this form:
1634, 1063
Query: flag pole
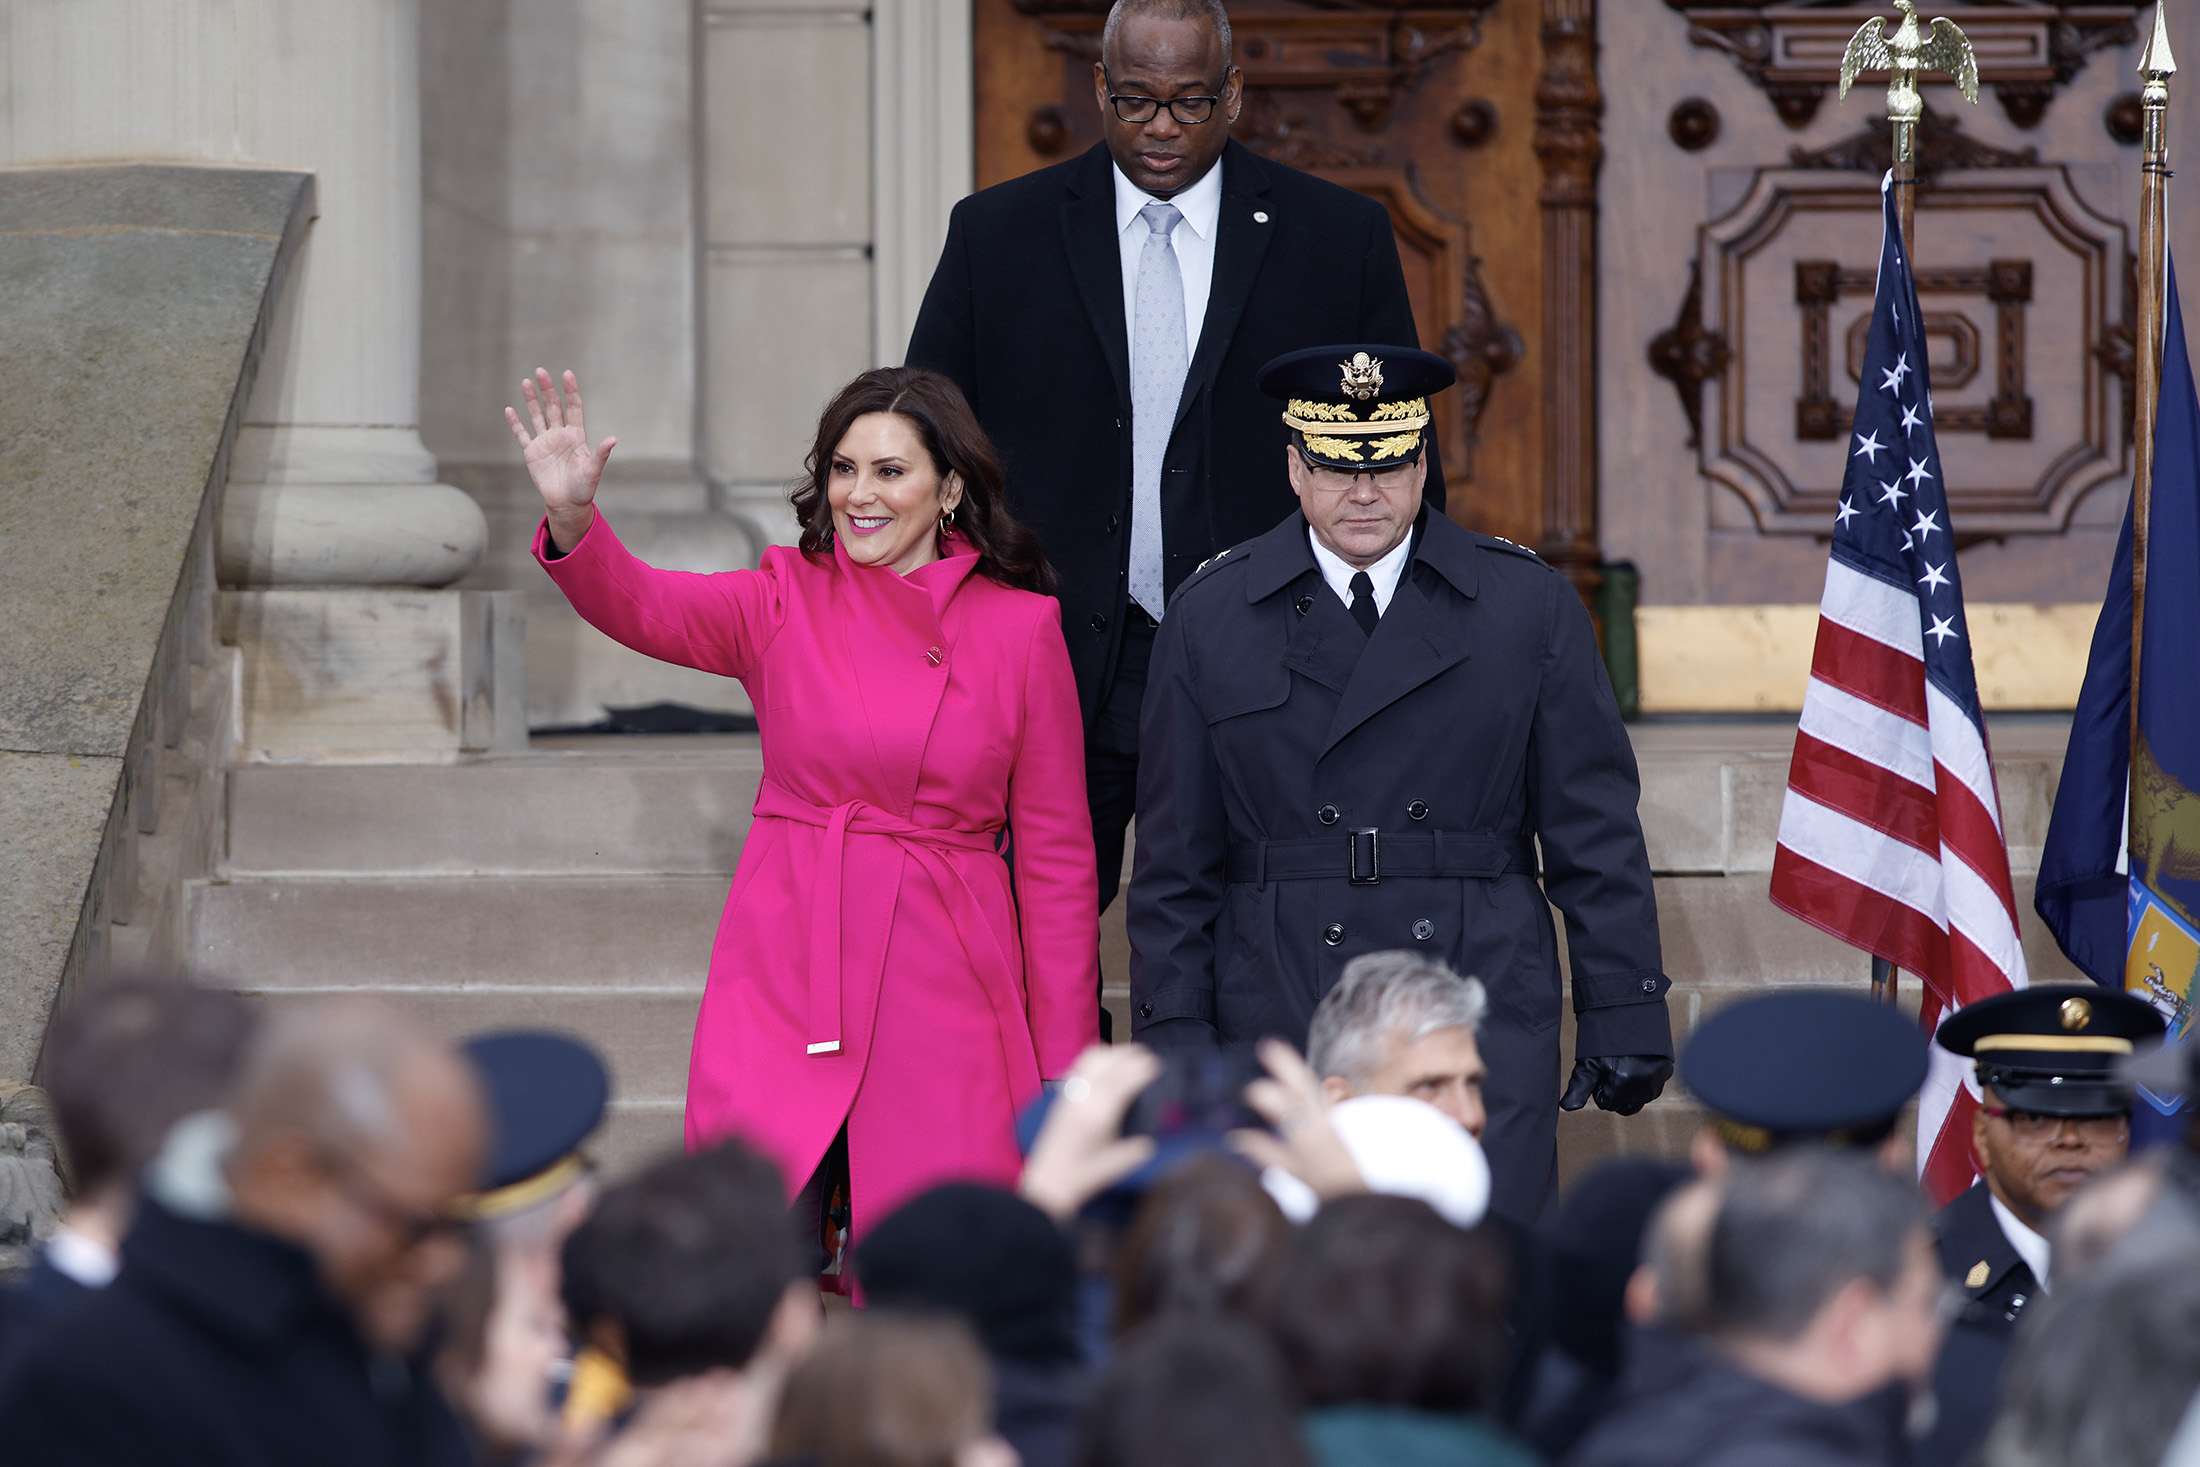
2156, 66
1902, 55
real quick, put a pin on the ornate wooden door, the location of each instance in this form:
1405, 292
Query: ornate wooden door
1475, 123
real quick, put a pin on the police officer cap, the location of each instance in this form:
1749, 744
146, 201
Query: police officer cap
1357, 406
2054, 1050
546, 1093
1805, 1066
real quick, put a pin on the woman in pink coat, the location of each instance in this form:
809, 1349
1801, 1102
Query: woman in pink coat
890, 960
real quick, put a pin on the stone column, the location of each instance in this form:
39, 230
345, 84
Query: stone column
330, 483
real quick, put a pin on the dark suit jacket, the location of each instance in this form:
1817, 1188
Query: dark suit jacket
1025, 313
217, 1346
30, 1307
1967, 1377
1478, 716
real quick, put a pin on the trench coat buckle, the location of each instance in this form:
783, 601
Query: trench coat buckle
1364, 860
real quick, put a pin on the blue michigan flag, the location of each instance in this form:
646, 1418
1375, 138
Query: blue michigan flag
2135, 923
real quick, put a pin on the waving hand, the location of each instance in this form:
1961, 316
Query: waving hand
565, 470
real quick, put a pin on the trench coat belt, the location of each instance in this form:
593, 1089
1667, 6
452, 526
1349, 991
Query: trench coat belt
1364, 857
923, 843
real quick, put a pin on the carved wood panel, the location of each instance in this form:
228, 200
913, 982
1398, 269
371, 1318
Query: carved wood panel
1454, 116
2020, 338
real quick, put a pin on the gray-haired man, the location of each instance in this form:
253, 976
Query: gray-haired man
1399, 1024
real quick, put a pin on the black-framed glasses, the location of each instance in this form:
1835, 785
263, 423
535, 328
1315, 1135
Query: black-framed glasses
1191, 111
2031, 1125
413, 1224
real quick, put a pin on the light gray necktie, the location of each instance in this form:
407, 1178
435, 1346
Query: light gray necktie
1158, 368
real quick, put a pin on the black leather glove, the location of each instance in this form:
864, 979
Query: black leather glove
1623, 1083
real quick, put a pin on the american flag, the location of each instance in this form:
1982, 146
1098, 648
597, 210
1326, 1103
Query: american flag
1890, 834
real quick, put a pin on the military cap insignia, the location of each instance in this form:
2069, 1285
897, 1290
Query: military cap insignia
2076, 1013
1363, 376
1978, 1275
1374, 416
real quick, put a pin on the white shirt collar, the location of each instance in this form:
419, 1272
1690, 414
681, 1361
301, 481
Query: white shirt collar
1201, 204
73, 1255
2031, 1247
1384, 573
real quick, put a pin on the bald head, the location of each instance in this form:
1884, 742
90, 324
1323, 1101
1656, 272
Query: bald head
356, 1130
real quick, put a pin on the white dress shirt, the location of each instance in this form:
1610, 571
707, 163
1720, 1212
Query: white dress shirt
73, 1255
1194, 240
2031, 1247
1384, 573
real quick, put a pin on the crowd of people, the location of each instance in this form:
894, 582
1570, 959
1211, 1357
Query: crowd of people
319, 1234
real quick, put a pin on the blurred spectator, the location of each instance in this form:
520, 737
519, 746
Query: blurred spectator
1391, 1321
1192, 1392
282, 1269
1002, 1266
1592, 1250
123, 1063
504, 1329
688, 1269
890, 1390
1399, 1024
1205, 1241
1671, 1289
1805, 1067
2104, 1367
1821, 1314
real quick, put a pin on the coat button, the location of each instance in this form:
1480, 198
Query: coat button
1424, 929
1418, 810
935, 656
1145, 1010
1303, 605
1114, 524
1649, 985
1329, 815
1099, 623
1333, 933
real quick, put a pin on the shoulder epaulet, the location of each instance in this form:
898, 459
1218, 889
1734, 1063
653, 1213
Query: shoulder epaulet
1499, 542
1235, 552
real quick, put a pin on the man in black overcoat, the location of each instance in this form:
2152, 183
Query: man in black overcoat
1358, 728
2053, 1115
1135, 460
282, 1273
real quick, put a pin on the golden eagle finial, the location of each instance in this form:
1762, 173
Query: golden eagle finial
1907, 52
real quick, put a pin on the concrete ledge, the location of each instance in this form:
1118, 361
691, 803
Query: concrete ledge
135, 301
1756, 659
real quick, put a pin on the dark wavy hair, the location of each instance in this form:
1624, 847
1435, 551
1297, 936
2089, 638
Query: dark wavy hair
1008, 552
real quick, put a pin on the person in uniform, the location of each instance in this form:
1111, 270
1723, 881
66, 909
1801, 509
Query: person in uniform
1357, 728
1808, 1065
2052, 1114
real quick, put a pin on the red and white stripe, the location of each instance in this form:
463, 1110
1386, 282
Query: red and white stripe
1891, 835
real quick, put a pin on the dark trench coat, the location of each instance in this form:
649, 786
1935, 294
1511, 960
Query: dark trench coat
1476, 721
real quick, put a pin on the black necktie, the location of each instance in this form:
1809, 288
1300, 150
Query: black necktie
1363, 602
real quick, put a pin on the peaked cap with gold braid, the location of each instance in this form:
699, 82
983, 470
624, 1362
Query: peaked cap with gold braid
1359, 405
2055, 1049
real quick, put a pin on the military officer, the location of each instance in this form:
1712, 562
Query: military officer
1356, 730
2052, 1113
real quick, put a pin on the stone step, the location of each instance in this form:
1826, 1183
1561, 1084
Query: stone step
552, 813
1711, 792
620, 961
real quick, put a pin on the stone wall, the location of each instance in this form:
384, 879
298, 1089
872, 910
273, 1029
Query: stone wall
135, 305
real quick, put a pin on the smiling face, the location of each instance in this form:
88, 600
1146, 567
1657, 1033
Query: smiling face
886, 495
1358, 518
1164, 58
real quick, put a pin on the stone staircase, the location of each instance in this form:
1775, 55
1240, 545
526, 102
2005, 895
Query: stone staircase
579, 884
574, 888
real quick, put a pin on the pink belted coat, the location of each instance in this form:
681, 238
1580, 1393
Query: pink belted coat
881, 960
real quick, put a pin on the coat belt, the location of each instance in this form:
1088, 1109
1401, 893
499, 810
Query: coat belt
1365, 857
930, 846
